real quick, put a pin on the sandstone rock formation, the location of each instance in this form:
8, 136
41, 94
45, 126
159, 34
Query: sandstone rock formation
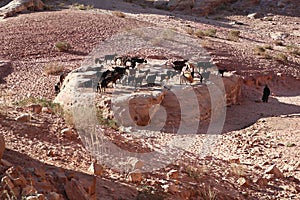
17, 6
161, 109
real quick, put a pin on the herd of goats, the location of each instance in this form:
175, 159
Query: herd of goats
126, 72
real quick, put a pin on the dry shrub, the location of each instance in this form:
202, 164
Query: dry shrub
210, 32
234, 35
53, 69
278, 43
189, 31
293, 49
63, 46
207, 44
259, 50
199, 34
281, 57
119, 14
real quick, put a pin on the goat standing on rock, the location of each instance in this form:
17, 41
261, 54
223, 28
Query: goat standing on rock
221, 71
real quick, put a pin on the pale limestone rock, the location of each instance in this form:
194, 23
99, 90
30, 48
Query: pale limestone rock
23, 118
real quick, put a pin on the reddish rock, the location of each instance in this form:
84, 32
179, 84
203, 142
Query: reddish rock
274, 170
35, 108
261, 182
23, 118
135, 176
6, 181
75, 191
28, 190
96, 169
242, 181
54, 196
173, 174
47, 110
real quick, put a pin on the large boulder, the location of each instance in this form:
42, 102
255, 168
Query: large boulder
17, 6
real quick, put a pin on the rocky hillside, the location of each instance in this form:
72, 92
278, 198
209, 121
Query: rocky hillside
44, 156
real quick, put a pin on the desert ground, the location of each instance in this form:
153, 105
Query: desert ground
257, 156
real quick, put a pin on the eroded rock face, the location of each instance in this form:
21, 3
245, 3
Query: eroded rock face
182, 106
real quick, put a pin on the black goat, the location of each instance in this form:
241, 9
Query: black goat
120, 70
57, 87
221, 71
106, 74
179, 64
135, 60
150, 79
104, 82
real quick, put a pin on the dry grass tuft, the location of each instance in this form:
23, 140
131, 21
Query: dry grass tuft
63, 46
233, 35
53, 69
119, 14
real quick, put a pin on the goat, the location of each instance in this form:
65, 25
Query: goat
163, 77
104, 82
57, 88
98, 60
146, 72
120, 70
130, 79
98, 89
135, 60
186, 76
109, 57
61, 78
179, 64
221, 71
139, 80
150, 79
121, 60
171, 74
106, 74
192, 67
132, 71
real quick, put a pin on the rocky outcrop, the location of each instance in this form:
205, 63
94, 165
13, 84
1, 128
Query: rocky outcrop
161, 109
17, 6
